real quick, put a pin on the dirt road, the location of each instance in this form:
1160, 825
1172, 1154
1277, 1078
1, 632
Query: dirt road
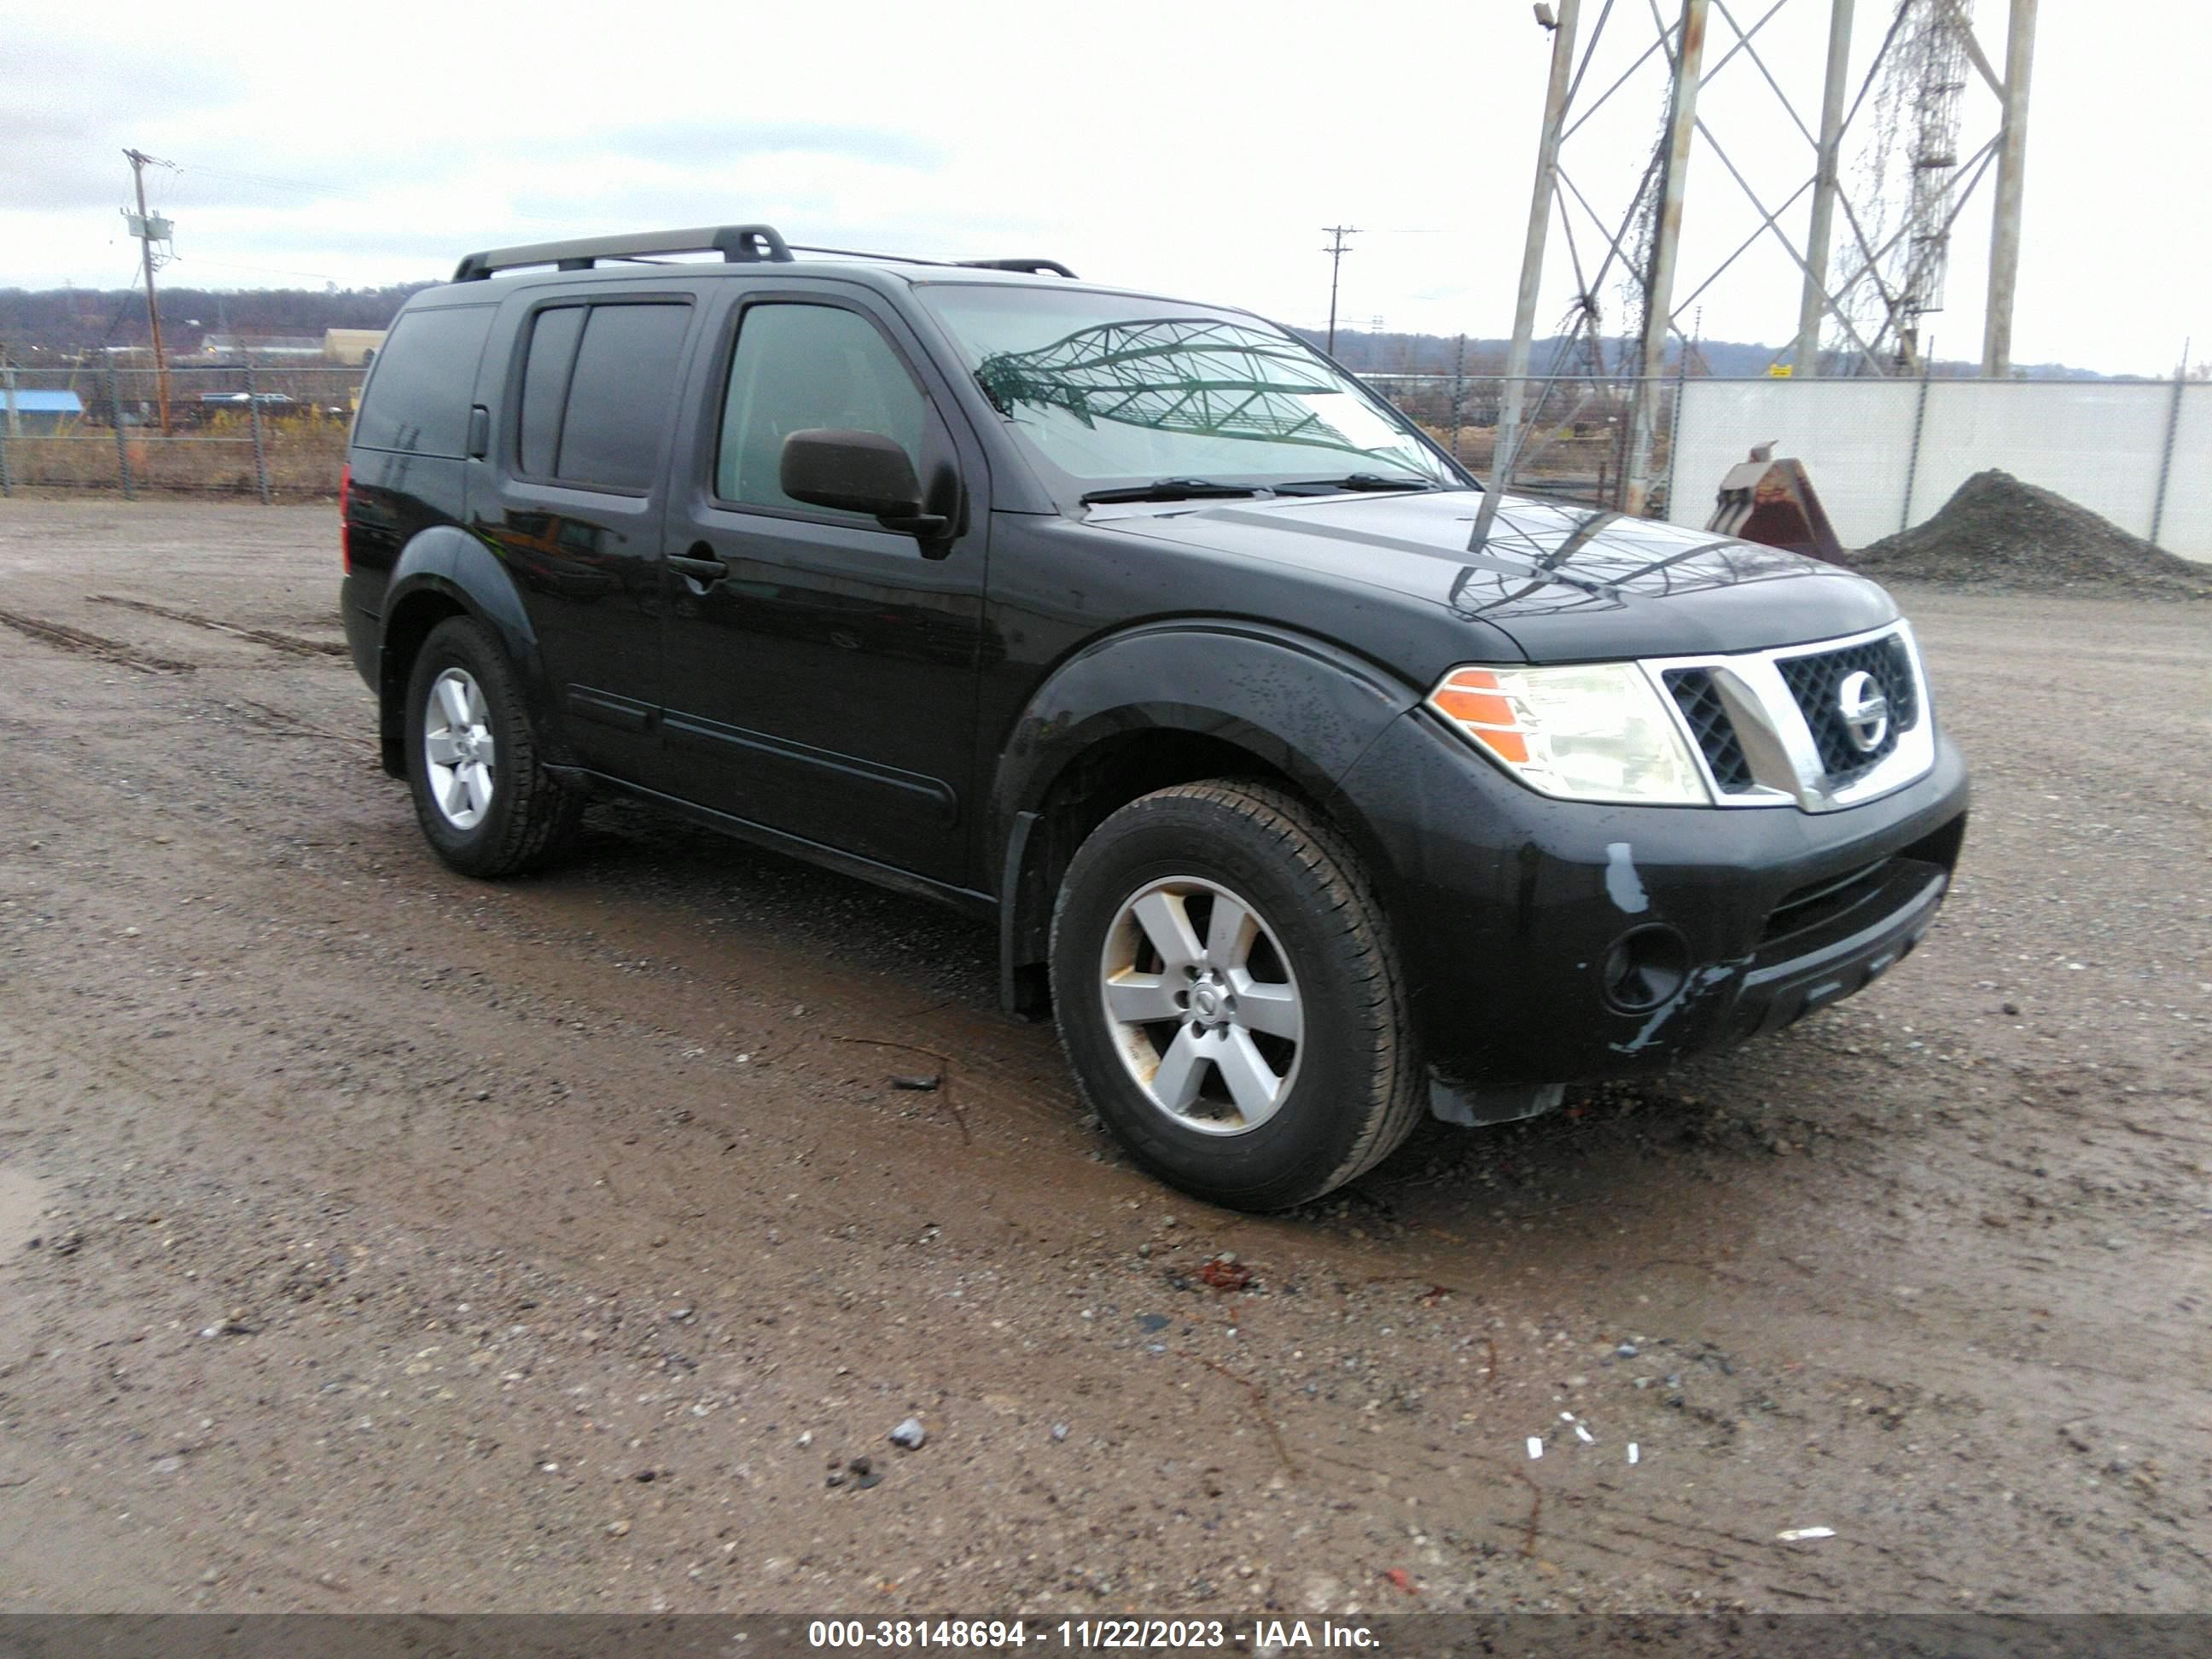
374, 1239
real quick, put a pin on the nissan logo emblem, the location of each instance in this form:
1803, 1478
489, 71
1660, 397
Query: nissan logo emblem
1865, 710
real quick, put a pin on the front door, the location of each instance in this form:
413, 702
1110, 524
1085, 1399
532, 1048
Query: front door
819, 671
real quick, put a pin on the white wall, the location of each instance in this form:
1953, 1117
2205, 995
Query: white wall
2187, 526
2099, 443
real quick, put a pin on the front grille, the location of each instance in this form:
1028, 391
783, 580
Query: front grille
1812, 682
1699, 701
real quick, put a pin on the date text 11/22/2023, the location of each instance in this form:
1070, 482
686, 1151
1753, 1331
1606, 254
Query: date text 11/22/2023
986, 1635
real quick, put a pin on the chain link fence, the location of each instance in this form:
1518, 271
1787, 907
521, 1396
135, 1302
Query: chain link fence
259, 430
280, 432
1574, 443
1883, 453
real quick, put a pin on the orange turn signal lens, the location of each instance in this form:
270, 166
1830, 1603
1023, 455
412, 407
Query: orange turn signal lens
1481, 707
1473, 699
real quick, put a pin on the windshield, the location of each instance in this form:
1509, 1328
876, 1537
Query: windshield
1109, 389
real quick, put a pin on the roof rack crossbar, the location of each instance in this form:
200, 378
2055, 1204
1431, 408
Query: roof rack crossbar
737, 244
1031, 267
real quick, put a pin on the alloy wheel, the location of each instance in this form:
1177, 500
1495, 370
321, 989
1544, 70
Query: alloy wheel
458, 749
1203, 1004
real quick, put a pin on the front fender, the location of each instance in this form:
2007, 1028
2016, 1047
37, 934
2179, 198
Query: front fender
1306, 709
441, 570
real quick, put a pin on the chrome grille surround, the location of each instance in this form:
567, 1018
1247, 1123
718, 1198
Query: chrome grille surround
1778, 743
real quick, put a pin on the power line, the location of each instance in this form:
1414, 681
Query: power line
122, 304
268, 181
265, 270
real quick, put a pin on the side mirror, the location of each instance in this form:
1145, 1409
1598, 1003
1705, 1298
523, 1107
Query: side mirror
857, 472
850, 471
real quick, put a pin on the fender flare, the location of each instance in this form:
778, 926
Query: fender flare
1307, 709
455, 567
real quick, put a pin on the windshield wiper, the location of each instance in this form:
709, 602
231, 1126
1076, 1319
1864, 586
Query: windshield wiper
1355, 482
1170, 490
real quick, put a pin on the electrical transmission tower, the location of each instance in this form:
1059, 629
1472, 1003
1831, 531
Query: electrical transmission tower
1887, 291
1893, 254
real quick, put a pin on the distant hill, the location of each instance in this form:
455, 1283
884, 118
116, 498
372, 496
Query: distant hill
69, 320
1369, 353
73, 319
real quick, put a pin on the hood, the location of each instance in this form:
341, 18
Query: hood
1564, 583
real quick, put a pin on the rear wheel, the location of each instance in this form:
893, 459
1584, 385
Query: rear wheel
1228, 998
486, 806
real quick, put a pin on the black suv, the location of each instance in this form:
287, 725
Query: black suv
1309, 796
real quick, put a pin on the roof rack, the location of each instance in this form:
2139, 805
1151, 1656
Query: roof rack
737, 244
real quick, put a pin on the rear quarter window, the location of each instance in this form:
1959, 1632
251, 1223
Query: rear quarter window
418, 395
620, 393
553, 339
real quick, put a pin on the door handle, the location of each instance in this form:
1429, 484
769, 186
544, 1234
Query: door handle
700, 564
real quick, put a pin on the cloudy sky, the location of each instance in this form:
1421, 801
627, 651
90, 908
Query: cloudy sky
1196, 146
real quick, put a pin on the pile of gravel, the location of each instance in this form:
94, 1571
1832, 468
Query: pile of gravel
1998, 532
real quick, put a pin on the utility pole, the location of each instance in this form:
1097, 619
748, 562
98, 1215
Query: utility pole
149, 230
2012, 180
1336, 250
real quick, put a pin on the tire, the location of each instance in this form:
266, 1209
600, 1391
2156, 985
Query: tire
1269, 1082
495, 811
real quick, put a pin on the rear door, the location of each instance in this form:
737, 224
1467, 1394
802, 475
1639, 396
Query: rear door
823, 682
575, 502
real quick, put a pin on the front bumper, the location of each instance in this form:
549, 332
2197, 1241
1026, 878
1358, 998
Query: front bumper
1552, 941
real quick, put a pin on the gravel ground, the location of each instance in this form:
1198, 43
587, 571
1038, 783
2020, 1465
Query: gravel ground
373, 1239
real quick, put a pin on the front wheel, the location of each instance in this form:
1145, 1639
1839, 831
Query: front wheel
486, 806
1228, 997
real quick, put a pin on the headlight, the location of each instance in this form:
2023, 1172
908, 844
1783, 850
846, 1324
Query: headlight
1592, 732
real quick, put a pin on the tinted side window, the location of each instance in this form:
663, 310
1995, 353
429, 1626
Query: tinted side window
545, 386
803, 366
619, 396
417, 400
